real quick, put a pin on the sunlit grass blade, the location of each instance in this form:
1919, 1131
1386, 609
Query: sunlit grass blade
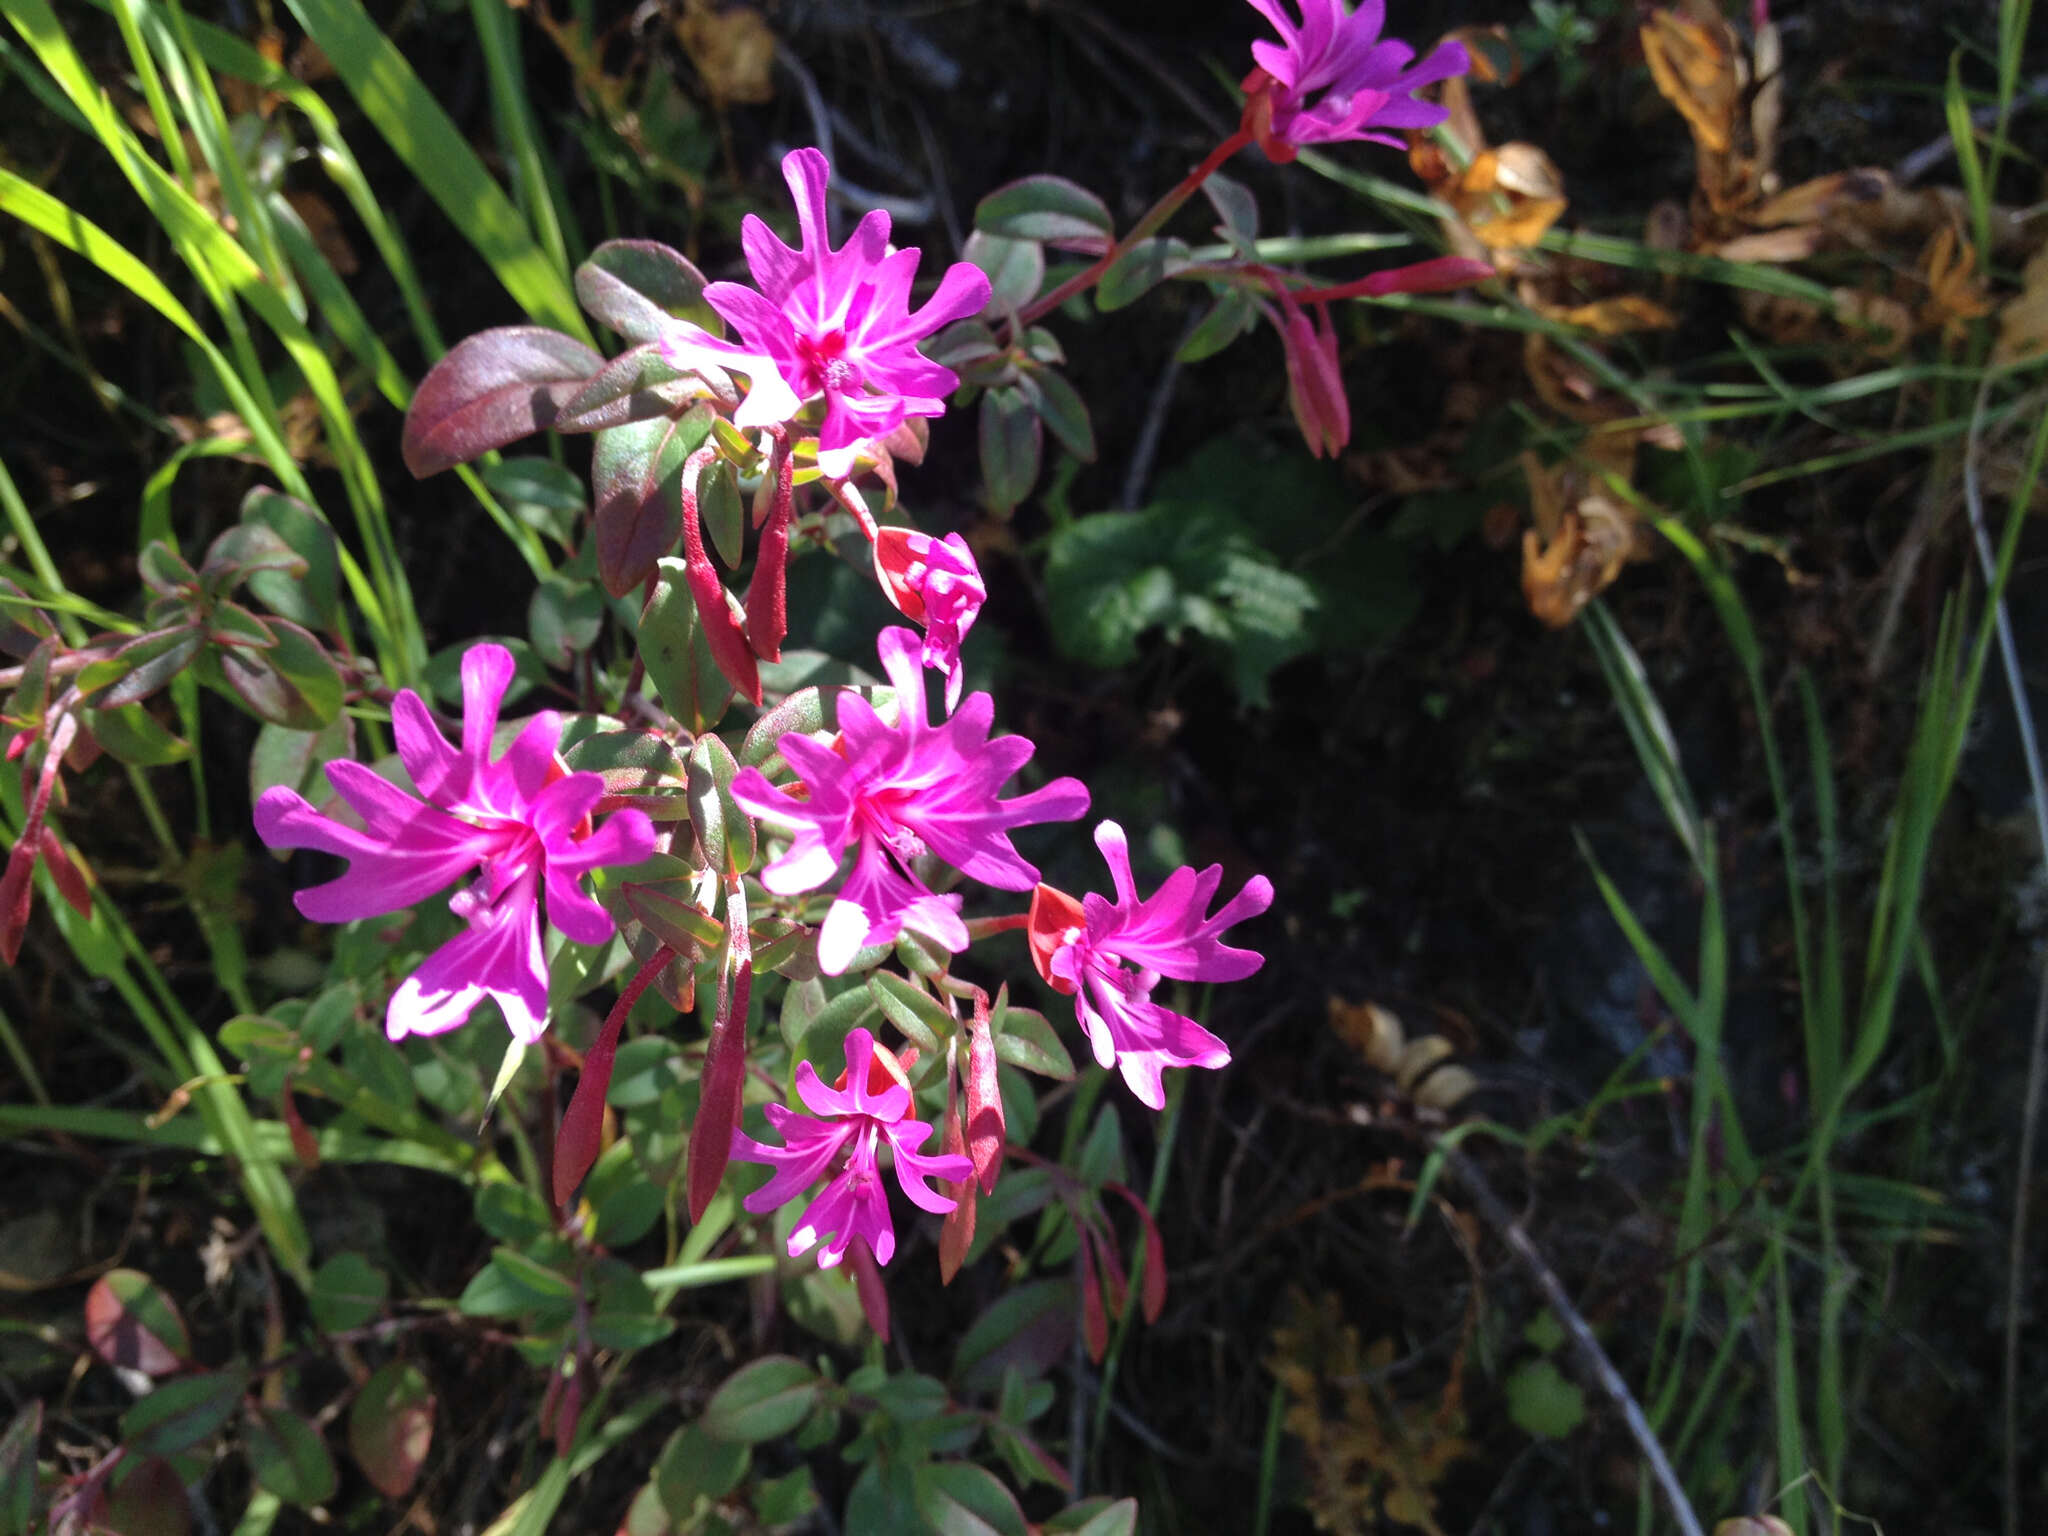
1649, 731
413, 123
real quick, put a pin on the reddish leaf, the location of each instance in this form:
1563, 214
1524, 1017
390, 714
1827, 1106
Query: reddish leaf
67, 872
643, 480
391, 1427
1116, 1285
149, 1501
986, 1132
1154, 1297
723, 636
305, 1145
576, 1144
494, 388
867, 1280
1093, 1323
17, 896
767, 592
957, 1235
130, 1322
725, 1070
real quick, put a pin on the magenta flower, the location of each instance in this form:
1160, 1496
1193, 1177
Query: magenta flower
1333, 78
836, 324
933, 582
1110, 955
893, 793
1315, 376
521, 817
869, 1106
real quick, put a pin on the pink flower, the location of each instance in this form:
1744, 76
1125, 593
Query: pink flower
832, 323
1358, 82
894, 793
521, 816
1110, 955
933, 582
869, 1105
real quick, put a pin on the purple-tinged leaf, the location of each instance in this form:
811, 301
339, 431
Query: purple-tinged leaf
391, 1427
243, 550
635, 473
148, 1499
182, 1412
637, 385
494, 388
164, 571
1015, 270
664, 910
1140, 269
140, 667
640, 288
313, 596
1047, 208
1063, 410
639, 768
287, 1456
294, 684
131, 1322
1011, 440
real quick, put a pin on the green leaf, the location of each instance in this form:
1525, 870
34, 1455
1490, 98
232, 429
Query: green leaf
1049, 208
961, 1499
541, 494
1542, 1401
636, 764
1139, 270
564, 617
677, 657
1011, 439
636, 477
760, 1401
283, 757
348, 1290
18, 1469
512, 1213
182, 1413
533, 1277
1235, 312
1094, 1517
718, 502
720, 824
1045, 1306
913, 1010
1015, 268
133, 735
1025, 1038
698, 1467
1063, 410
287, 1456
294, 683
314, 597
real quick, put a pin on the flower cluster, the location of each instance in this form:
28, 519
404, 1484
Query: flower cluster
875, 824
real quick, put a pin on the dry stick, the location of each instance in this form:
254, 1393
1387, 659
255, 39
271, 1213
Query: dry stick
1593, 1361
2037, 1055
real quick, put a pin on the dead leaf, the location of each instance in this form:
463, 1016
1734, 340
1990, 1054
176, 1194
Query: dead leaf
1696, 61
1509, 197
1372, 1031
733, 50
1616, 316
2023, 321
1583, 534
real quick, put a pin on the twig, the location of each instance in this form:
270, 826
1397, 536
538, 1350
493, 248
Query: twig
1593, 1362
1147, 449
2037, 1054
1935, 151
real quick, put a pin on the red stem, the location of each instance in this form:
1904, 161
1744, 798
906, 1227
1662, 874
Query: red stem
722, 635
1155, 216
768, 591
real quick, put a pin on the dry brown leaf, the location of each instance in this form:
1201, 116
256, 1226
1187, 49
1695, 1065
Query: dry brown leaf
1697, 62
1955, 293
2023, 321
1509, 197
1583, 534
1774, 246
733, 49
1372, 1031
1617, 316
1813, 201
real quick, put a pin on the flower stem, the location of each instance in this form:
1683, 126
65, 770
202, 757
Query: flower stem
1155, 216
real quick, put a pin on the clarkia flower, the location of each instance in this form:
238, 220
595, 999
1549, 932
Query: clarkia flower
1332, 78
828, 323
843, 1135
1110, 955
522, 820
893, 793
933, 582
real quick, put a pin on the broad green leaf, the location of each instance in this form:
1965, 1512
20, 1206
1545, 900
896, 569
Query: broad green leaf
288, 1456
678, 660
762, 1400
131, 1321
1011, 439
391, 1427
961, 1499
348, 1291
1047, 208
1140, 269
182, 1412
638, 765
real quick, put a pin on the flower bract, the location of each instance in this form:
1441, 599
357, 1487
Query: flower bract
893, 793
843, 1136
1110, 955
933, 582
520, 821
